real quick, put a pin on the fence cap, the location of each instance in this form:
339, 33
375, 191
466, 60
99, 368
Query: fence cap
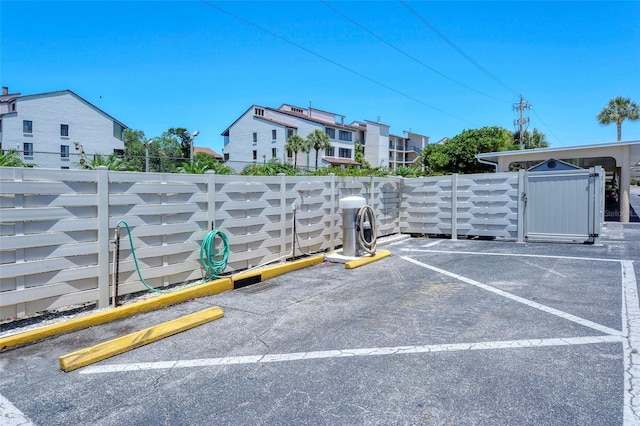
352, 202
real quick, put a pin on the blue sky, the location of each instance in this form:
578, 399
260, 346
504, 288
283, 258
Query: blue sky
200, 64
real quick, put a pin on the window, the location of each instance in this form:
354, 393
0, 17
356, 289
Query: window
255, 155
258, 111
344, 153
118, 131
290, 132
226, 156
330, 132
255, 137
345, 136
64, 130
298, 110
274, 134
27, 126
27, 149
119, 152
64, 151
274, 152
65, 167
289, 154
13, 107
330, 152
0, 125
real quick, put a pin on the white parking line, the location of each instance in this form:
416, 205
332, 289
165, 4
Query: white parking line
433, 243
631, 344
10, 415
594, 259
398, 350
527, 302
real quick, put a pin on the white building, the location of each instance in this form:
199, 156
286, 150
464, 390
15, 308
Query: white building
44, 127
260, 135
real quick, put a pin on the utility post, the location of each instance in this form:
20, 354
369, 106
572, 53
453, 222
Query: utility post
520, 122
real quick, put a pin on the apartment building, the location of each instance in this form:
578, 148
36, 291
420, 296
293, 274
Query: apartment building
260, 134
44, 128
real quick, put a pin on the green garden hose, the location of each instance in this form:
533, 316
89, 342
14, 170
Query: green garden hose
213, 263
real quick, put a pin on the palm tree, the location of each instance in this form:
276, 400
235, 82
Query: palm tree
532, 140
112, 162
296, 144
618, 110
318, 140
11, 158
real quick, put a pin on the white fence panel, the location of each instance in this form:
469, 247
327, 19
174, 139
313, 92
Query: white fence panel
57, 226
487, 205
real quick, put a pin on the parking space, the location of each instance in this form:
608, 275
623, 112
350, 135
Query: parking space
441, 332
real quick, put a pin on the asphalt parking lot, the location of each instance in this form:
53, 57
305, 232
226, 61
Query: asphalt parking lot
443, 332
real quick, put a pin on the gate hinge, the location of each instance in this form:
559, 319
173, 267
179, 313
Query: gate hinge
594, 235
594, 174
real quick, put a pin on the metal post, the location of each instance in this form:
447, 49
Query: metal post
146, 157
116, 267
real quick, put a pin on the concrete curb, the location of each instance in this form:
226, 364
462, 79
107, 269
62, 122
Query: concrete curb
367, 259
201, 290
104, 350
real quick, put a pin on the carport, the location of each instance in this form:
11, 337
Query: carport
617, 158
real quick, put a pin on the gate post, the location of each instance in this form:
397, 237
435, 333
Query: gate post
102, 189
597, 193
454, 206
522, 203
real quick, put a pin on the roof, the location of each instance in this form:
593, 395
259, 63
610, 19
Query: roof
197, 149
553, 152
9, 97
340, 161
271, 120
553, 164
312, 119
67, 91
291, 114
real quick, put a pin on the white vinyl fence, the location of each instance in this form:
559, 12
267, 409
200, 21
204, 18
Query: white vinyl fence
57, 226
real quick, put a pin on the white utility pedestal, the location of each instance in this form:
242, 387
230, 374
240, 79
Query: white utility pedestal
350, 206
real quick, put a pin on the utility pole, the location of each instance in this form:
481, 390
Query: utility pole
520, 122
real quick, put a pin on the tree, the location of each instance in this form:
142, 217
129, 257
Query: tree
112, 162
358, 155
296, 144
271, 168
458, 154
318, 140
618, 110
134, 149
535, 139
11, 158
166, 152
185, 138
203, 162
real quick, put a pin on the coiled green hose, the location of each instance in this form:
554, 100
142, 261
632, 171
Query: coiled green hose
212, 265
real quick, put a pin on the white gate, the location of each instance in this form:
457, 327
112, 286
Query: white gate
566, 205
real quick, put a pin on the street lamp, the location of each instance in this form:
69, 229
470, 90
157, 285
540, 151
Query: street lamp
146, 155
196, 133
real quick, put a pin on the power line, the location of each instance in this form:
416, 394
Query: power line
544, 124
405, 53
473, 61
279, 37
453, 45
